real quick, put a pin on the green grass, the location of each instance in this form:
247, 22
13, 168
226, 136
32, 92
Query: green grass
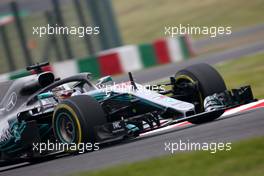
144, 20
245, 71
245, 158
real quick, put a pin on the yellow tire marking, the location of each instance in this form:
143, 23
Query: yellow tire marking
64, 106
192, 81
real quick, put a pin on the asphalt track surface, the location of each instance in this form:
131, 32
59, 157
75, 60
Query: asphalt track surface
244, 32
231, 128
228, 129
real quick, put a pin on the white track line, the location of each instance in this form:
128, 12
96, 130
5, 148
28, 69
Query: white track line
250, 106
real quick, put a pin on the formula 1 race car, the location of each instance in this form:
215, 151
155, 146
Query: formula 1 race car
39, 108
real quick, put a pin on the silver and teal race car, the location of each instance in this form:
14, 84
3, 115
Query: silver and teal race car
40, 108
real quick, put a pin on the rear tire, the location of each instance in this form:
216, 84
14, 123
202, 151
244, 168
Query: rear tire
74, 120
209, 82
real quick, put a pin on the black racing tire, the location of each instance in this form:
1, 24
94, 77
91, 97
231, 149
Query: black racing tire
209, 82
74, 120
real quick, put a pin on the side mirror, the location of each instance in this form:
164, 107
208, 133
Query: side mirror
104, 80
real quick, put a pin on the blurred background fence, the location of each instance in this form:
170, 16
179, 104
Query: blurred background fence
19, 47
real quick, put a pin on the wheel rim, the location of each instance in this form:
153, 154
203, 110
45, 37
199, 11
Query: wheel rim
65, 128
187, 79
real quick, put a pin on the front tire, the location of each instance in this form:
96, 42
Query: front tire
74, 120
209, 82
